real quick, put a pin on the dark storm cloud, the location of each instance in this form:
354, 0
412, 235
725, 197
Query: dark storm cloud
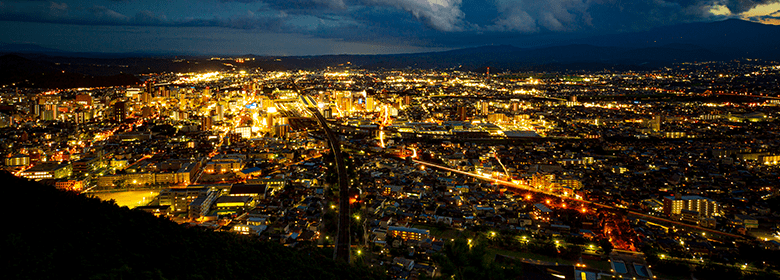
527, 16
738, 6
53, 12
306, 4
302, 6
440, 23
247, 20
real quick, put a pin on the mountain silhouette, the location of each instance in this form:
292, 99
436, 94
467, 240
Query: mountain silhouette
657, 47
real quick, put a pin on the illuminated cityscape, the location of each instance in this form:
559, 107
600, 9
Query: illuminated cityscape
608, 172
378, 139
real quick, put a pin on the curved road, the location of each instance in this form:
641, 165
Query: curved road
342, 236
527, 188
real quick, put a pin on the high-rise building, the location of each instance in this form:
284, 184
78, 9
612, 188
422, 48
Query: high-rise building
84, 99
344, 104
146, 98
266, 103
132, 92
408, 233
147, 112
327, 113
370, 104
706, 207
270, 121
119, 112
496, 118
206, 94
35, 108
180, 199
82, 116
244, 131
205, 123
281, 131
655, 123
220, 112
17, 160
48, 114
462, 115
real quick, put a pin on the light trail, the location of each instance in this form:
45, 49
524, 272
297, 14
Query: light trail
601, 205
495, 154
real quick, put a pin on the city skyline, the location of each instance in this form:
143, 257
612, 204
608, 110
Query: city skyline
343, 27
391, 139
653, 174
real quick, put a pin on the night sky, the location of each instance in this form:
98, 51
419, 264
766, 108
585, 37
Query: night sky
313, 27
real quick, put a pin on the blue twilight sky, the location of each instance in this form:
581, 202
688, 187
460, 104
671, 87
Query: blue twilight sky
312, 27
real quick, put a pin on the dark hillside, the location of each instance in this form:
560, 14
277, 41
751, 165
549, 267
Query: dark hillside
53, 234
28, 73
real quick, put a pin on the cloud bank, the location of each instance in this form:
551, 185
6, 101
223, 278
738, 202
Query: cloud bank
416, 22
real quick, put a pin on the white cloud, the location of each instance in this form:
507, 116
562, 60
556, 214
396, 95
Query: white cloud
530, 16
762, 10
442, 15
720, 10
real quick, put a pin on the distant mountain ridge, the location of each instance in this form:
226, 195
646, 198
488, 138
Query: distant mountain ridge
26, 73
662, 46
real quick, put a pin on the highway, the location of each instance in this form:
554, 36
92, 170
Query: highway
596, 204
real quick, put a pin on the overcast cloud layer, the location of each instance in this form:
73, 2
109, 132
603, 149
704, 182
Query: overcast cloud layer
388, 25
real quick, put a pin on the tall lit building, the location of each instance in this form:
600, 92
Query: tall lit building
132, 92
48, 170
655, 124
244, 131
408, 233
220, 112
281, 130
205, 123
370, 104
146, 97
180, 199
674, 205
49, 113
462, 115
17, 160
146, 112
84, 99
327, 113
119, 111
496, 118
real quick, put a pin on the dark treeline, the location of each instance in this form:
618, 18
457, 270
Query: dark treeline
53, 234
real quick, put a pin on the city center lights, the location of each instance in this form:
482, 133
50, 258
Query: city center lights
607, 172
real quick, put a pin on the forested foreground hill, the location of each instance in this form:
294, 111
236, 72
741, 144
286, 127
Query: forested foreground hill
52, 234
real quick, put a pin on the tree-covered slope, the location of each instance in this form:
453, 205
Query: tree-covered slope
52, 234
